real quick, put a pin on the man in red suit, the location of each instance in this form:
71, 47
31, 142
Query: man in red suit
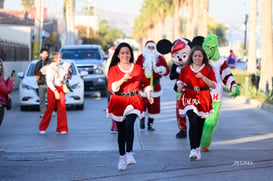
154, 66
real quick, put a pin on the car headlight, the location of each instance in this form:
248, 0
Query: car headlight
28, 87
98, 69
75, 86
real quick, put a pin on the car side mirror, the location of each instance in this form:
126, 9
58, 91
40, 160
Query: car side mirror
83, 73
105, 57
20, 75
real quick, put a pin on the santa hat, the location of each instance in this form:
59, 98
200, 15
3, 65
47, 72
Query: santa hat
150, 43
179, 44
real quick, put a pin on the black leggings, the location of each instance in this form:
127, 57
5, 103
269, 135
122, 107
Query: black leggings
126, 133
2, 112
196, 129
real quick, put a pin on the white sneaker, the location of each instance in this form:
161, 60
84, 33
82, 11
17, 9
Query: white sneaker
41, 115
130, 158
193, 155
122, 163
62, 132
42, 132
198, 153
2, 149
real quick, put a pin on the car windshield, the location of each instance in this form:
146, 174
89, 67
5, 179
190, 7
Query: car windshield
80, 54
32, 66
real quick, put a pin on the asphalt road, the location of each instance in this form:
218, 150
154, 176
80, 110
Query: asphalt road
242, 148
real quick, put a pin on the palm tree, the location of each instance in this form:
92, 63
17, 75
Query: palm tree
69, 25
267, 58
27, 4
189, 23
252, 38
203, 18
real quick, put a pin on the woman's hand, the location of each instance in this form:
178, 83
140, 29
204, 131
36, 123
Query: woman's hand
126, 77
210, 83
12, 77
199, 75
57, 95
180, 87
150, 99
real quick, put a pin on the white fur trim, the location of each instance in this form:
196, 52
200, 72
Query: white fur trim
163, 70
128, 110
153, 115
191, 107
150, 44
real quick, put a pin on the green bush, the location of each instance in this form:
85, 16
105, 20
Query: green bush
246, 82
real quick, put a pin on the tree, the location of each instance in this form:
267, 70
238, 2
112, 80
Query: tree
219, 30
106, 36
267, 58
27, 4
251, 65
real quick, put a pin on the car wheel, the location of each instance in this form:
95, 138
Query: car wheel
23, 108
80, 107
103, 92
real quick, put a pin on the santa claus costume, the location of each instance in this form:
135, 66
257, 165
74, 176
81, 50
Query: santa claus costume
154, 66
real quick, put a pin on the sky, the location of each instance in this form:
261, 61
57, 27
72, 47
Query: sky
229, 12
224, 11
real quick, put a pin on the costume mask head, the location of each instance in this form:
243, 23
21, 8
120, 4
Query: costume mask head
180, 51
210, 46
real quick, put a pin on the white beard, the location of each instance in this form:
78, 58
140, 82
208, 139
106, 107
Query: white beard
149, 64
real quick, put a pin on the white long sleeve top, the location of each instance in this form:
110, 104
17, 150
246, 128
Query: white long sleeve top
52, 77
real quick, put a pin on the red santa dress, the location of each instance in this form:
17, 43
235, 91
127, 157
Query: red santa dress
196, 94
119, 106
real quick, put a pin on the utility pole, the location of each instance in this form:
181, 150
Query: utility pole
246, 17
88, 26
39, 16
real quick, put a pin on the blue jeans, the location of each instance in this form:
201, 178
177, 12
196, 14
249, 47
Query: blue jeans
42, 94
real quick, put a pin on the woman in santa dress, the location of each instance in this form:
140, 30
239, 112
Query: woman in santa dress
195, 81
125, 105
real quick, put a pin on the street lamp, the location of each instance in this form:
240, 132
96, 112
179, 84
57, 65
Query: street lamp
246, 17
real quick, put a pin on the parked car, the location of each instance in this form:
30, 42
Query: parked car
91, 59
28, 88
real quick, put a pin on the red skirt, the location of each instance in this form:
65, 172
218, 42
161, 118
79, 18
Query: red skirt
120, 106
198, 101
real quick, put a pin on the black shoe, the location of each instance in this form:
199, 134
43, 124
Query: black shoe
142, 123
182, 134
150, 128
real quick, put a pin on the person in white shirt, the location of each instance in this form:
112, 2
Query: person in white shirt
55, 97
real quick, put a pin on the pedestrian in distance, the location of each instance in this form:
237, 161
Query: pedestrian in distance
41, 79
125, 105
55, 97
195, 81
6, 87
154, 66
231, 59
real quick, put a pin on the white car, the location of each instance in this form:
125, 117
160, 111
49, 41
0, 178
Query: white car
28, 88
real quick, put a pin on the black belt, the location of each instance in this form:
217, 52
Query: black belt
156, 81
126, 94
197, 88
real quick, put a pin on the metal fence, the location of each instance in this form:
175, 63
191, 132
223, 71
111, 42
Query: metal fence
10, 51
